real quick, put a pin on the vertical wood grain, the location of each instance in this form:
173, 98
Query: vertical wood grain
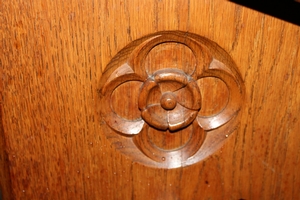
52, 55
5, 182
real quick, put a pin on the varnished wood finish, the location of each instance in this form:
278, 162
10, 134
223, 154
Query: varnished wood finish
5, 179
169, 99
52, 58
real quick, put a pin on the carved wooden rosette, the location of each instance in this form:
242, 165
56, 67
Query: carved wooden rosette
151, 103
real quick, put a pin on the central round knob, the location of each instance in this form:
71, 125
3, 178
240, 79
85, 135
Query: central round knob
168, 101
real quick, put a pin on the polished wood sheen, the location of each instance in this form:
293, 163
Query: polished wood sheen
54, 143
169, 99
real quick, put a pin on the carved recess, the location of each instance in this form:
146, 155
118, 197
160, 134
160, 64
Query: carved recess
170, 99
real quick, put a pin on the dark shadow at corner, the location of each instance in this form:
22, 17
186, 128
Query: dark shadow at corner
287, 10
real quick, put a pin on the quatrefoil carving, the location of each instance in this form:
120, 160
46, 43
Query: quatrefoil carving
167, 99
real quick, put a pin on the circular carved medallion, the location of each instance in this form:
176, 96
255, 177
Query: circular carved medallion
153, 93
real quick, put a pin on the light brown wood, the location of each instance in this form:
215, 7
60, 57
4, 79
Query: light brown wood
53, 56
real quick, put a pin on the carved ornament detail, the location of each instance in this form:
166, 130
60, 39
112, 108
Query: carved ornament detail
151, 99
171, 111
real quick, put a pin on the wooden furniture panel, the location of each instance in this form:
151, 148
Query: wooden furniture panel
52, 58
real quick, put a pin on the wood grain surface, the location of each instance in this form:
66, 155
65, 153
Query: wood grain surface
52, 56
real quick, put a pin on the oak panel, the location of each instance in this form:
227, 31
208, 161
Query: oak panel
52, 56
